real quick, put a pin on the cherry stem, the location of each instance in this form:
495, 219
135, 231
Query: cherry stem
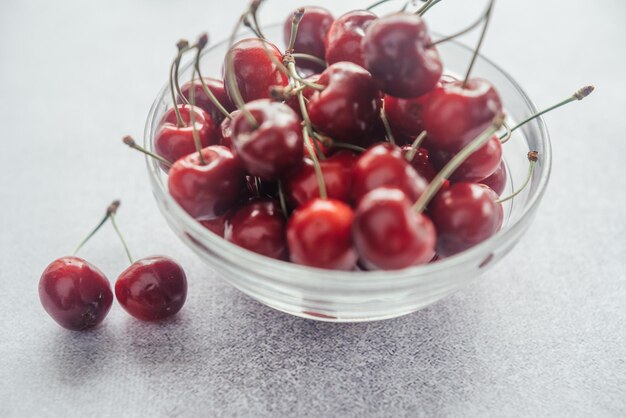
533, 156
388, 131
128, 140
293, 73
308, 57
249, 25
182, 46
345, 145
426, 7
375, 5
295, 22
119, 234
205, 88
487, 19
415, 146
316, 164
578, 95
470, 28
112, 208
455, 162
253, 11
281, 198
192, 116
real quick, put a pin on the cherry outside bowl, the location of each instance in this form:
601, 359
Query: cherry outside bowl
336, 296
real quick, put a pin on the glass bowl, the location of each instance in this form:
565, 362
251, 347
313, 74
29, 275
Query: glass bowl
336, 296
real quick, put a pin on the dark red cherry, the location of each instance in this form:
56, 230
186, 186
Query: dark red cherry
349, 105
302, 185
215, 225
276, 146
479, 165
206, 191
319, 235
152, 288
389, 234
465, 214
258, 226
405, 115
497, 181
383, 165
421, 162
75, 293
343, 41
173, 142
254, 70
312, 32
204, 102
454, 115
399, 55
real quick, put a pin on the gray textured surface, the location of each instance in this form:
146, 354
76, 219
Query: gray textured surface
542, 334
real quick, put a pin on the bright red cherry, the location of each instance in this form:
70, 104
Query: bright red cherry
312, 32
75, 293
173, 142
497, 181
208, 190
465, 214
152, 288
343, 41
383, 165
319, 235
405, 115
481, 164
302, 185
454, 115
399, 55
254, 70
421, 162
389, 234
259, 226
349, 105
204, 102
275, 146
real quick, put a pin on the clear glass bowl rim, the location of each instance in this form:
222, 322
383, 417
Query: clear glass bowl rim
293, 272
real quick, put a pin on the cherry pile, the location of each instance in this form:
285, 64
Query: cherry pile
351, 149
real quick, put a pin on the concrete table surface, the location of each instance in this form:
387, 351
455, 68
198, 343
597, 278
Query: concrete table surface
541, 334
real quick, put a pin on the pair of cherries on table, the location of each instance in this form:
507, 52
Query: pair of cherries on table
78, 296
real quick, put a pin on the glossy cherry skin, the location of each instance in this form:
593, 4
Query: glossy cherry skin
259, 226
152, 288
405, 115
319, 235
389, 234
383, 165
276, 146
497, 181
398, 52
173, 142
421, 162
311, 35
75, 293
465, 214
479, 165
207, 191
254, 70
215, 225
349, 105
302, 185
203, 101
454, 115
343, 41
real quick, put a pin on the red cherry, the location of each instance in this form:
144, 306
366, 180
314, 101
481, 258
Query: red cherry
173, 142
479, 165
399, 55
405, 115
312, 32
75, 293
465, 214
421, 162
226, 130
215, 225
302, 185
343, 41
384, 166
454, 115
389, 234
259, 226
349, 105
152, 288
208, 190
319, 235
254, 70
497, 181
204, 102
276, 146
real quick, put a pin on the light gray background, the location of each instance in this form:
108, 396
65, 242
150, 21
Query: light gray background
542, 334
